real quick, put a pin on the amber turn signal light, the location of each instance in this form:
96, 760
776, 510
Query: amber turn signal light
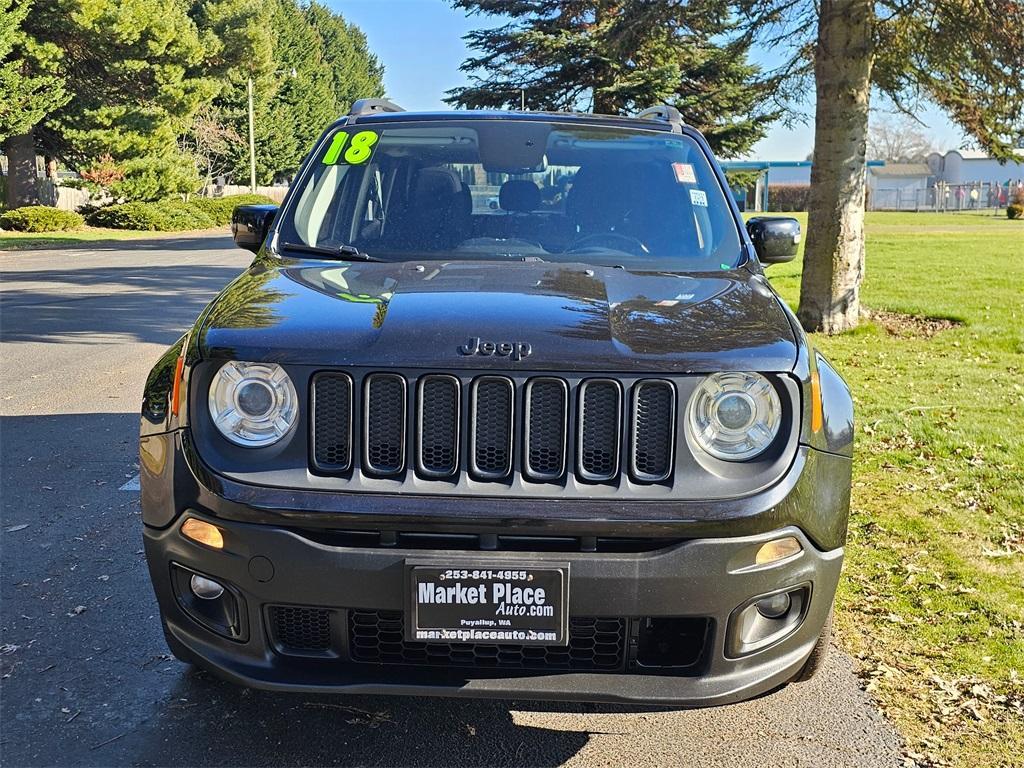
816, 414
776, 550
179, 369
202, 533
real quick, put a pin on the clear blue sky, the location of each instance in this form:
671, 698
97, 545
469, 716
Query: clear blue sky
420, 43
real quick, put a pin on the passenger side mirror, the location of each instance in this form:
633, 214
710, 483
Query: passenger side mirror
250, 224
775, 238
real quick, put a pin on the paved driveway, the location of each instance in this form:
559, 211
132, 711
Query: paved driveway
86, 678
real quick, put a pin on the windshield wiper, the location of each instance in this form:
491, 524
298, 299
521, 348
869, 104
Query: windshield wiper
345, 252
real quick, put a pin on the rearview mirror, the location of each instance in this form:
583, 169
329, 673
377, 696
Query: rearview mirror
775, 238
250, 224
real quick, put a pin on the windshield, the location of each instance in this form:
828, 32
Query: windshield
515, 190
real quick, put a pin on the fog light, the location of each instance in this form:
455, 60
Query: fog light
766, 619
203, 533
777, 550
774, 607
208, 589
215, 605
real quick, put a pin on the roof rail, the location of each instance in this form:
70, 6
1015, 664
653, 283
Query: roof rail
665, 113
372, 107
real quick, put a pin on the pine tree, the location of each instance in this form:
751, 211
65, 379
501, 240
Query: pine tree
26, 97
616, 57
142, 85
316, 65
29, 90
355, 72
133, 73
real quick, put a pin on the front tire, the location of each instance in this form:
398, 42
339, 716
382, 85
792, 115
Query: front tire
818, 654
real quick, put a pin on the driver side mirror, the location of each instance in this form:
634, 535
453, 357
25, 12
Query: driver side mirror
775, 238
250, 225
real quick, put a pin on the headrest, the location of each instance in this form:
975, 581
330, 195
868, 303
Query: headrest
520, 195
599, 194
437, 183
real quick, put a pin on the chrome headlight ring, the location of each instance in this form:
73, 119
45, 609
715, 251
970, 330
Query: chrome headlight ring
734, 416
253, 404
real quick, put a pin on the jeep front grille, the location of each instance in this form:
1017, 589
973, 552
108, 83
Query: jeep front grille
493, 428
491, 447
654, 409
332, 429
384, 424
600, 429
546, 412
437, 436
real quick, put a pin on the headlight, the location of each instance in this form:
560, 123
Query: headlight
253, 404
734, 416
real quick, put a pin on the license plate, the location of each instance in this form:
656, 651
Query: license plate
514, 605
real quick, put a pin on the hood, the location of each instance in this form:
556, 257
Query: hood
557, 317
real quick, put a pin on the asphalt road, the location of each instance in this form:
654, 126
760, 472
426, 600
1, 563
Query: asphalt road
86, 677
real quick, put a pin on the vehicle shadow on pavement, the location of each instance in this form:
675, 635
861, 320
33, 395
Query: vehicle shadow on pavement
209, 722
153, 304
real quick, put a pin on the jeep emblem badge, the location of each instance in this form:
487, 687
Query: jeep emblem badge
514, 350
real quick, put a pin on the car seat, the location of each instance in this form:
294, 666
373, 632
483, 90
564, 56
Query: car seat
640, 200
439, 209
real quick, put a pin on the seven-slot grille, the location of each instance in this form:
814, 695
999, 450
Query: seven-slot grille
491, 427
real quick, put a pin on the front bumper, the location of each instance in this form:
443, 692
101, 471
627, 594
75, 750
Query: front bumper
703, 578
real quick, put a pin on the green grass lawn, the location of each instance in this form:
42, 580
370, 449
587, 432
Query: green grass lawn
932, 601
23, 241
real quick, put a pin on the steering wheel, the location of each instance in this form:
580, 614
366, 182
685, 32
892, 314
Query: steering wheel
614, 240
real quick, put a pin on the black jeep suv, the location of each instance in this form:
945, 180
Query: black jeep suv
568, 445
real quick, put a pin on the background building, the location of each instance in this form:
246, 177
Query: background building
956, 180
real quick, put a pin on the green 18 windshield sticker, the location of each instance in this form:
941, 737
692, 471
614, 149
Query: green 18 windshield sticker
359, 151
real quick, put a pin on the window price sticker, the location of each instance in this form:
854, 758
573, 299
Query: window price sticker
684, 173
359, 150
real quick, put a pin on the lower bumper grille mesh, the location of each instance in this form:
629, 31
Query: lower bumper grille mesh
594, 644
301, 629
672, 645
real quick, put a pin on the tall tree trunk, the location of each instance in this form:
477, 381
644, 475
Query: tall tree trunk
834, 257
22, 187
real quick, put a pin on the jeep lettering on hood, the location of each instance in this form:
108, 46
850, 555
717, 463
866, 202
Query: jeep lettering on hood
516, 350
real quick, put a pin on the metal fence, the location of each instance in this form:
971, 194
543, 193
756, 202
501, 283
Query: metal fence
977, 196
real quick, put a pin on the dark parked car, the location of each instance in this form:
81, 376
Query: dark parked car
573, 446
